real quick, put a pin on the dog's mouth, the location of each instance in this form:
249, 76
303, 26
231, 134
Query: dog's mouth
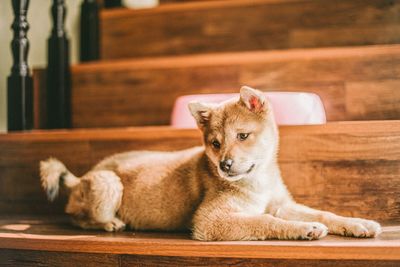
231, 175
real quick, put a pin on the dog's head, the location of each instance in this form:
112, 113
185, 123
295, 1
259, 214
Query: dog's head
240, 135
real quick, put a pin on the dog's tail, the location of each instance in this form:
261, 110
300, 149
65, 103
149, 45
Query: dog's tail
52, 172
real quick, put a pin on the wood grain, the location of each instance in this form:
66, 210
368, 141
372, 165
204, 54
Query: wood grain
349, 168
384, 92
177, 1
113, 94
39, 98
134, 260
53, 234
22, 258
241, 25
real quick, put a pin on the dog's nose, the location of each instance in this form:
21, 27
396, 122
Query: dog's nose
226, 164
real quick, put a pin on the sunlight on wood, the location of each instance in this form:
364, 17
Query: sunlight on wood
16, 227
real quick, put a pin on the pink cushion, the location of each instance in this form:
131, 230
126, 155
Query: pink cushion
290, 108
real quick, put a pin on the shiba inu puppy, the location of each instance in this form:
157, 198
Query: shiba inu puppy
228, 189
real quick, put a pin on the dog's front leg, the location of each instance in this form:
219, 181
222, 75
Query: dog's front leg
239, 226
339, 225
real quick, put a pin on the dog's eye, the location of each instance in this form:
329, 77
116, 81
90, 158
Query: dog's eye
242, 136
216, 144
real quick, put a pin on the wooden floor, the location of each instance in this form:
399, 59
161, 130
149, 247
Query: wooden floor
45, 234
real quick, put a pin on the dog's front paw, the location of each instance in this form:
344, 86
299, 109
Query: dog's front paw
356, 227
116, 225
312, 231
374, 228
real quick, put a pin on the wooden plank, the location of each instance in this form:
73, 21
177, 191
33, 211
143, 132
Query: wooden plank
241, 25
349, 168
114, 94
135, 260
185, 2
39, 98
53, 234
22, 258
65, 145
380, 98
178, 1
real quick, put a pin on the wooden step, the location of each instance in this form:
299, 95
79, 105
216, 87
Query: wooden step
183, 1
351, 168
242, 25
358, 83
44, 241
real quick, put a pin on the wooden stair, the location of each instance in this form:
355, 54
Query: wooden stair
52, 241
357, 83
347, 167
242, 25
351, 168
347, 52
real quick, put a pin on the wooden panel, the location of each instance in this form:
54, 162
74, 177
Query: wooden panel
130, 260
21, 154
22, 258
339, 165
350, 168
384, 92
119, 93
52, 234
321, 37
180, 1
241, 25
39, 96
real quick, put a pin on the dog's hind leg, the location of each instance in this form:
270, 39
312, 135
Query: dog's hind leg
95, 202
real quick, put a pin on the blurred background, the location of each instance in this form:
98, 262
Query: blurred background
346, 52
40, 26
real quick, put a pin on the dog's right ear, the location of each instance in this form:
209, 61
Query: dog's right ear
201, 112
253, 99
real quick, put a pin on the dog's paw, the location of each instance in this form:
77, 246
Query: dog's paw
312, 231
374, 228
356, 227
116, 225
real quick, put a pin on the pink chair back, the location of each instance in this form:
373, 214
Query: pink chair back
290, 108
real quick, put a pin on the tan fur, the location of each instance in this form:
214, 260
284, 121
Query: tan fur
189, 190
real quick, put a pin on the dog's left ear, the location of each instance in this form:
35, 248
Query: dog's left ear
253, 99
201, 112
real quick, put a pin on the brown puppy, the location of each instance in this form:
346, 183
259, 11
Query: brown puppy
230, 189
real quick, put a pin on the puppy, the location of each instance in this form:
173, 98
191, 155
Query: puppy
229, 189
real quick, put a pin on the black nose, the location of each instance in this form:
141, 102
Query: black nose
226, 165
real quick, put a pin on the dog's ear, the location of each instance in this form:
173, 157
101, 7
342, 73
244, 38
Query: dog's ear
201, 112
253, 99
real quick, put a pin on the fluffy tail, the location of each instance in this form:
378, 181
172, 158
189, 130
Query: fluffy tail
52, 172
